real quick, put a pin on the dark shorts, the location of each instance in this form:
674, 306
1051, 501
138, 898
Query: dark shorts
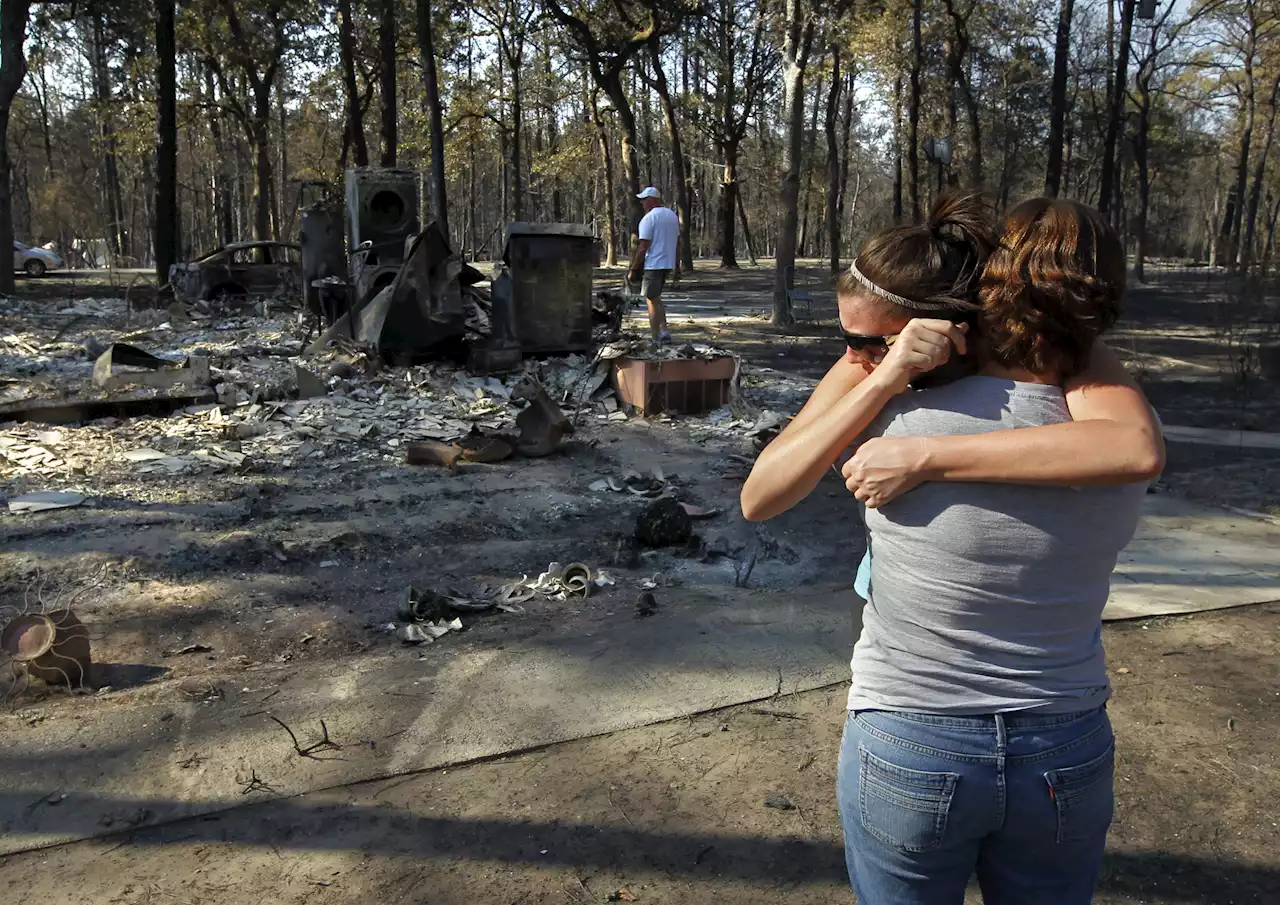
654, 282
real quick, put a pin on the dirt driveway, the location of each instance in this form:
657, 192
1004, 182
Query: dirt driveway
731, 806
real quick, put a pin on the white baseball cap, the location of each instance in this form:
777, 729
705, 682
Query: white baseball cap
650, 192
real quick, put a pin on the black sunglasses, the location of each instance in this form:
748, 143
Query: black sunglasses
860, 342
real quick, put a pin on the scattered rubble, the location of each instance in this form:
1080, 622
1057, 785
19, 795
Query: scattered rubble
263, 407
664, 523
426, 632
646, 605
559, 582
654, 484
53, 647
44, 500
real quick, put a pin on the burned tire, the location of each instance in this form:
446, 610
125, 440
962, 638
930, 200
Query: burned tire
34, 267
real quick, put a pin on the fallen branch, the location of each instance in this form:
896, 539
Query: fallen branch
254, 784
778, 713
325, 743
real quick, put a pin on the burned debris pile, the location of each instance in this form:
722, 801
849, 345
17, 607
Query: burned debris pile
406, 355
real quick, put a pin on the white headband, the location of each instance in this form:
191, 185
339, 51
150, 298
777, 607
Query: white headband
898, 299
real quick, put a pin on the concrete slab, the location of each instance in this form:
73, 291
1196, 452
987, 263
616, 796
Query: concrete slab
1187, 558
1233, 439
174, 750
69, 775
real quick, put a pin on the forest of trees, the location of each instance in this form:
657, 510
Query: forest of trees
776, 128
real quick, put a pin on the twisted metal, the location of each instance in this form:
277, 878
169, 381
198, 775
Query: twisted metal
39, 600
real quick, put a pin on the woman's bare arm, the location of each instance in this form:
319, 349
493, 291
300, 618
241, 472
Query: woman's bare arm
1114, 438
841, 407
788, 469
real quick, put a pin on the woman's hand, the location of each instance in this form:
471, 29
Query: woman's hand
924, 344
884, 468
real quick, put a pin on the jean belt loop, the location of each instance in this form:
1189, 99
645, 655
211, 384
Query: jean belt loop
1002, 737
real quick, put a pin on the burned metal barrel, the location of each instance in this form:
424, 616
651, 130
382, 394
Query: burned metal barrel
324, 256
551, 266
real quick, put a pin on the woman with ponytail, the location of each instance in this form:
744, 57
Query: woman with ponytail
977, 739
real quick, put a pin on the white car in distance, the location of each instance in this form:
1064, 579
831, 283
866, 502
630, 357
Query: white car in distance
35, 262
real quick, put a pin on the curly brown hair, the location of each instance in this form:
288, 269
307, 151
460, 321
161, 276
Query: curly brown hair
937, 262
1052, 287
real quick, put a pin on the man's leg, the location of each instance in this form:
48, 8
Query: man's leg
654, 281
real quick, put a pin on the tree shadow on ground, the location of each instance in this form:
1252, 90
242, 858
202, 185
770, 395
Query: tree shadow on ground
386, 830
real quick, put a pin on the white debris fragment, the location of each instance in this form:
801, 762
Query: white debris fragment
144, 455
44, 500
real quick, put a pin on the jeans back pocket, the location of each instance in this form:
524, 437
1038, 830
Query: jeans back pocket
1084, 796
902, 807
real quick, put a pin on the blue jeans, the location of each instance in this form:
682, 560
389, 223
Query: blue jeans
1024, 801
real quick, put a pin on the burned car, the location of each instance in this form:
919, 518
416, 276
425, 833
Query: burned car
240, 269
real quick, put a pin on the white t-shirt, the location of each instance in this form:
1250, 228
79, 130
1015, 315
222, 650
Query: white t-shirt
661, 226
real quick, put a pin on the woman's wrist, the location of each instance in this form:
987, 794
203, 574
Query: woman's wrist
926, 462
887, 381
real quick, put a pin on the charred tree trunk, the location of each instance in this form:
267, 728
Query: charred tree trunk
13, 70
913, 112
610, 204
1140, 155
223, 193
1259, 170
1058, 101
260, 73
803, 246
435, 119
260, 138
795, 55
553, 132
957, 49
387, 79
627, 133
1271, 230
976, 170
833, 162
1108, 190
107, 134
847, 126
166, 218
516, 164
746, 230
897, 150
952, 56
347, 53
285, 210
41, 92
679, 176
729, 202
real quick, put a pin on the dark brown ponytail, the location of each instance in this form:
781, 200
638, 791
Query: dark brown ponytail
937, 263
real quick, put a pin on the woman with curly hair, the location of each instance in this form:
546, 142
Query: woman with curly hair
977, 738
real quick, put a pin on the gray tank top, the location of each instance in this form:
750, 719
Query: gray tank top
988, 598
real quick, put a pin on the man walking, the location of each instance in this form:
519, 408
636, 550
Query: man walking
655, 257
